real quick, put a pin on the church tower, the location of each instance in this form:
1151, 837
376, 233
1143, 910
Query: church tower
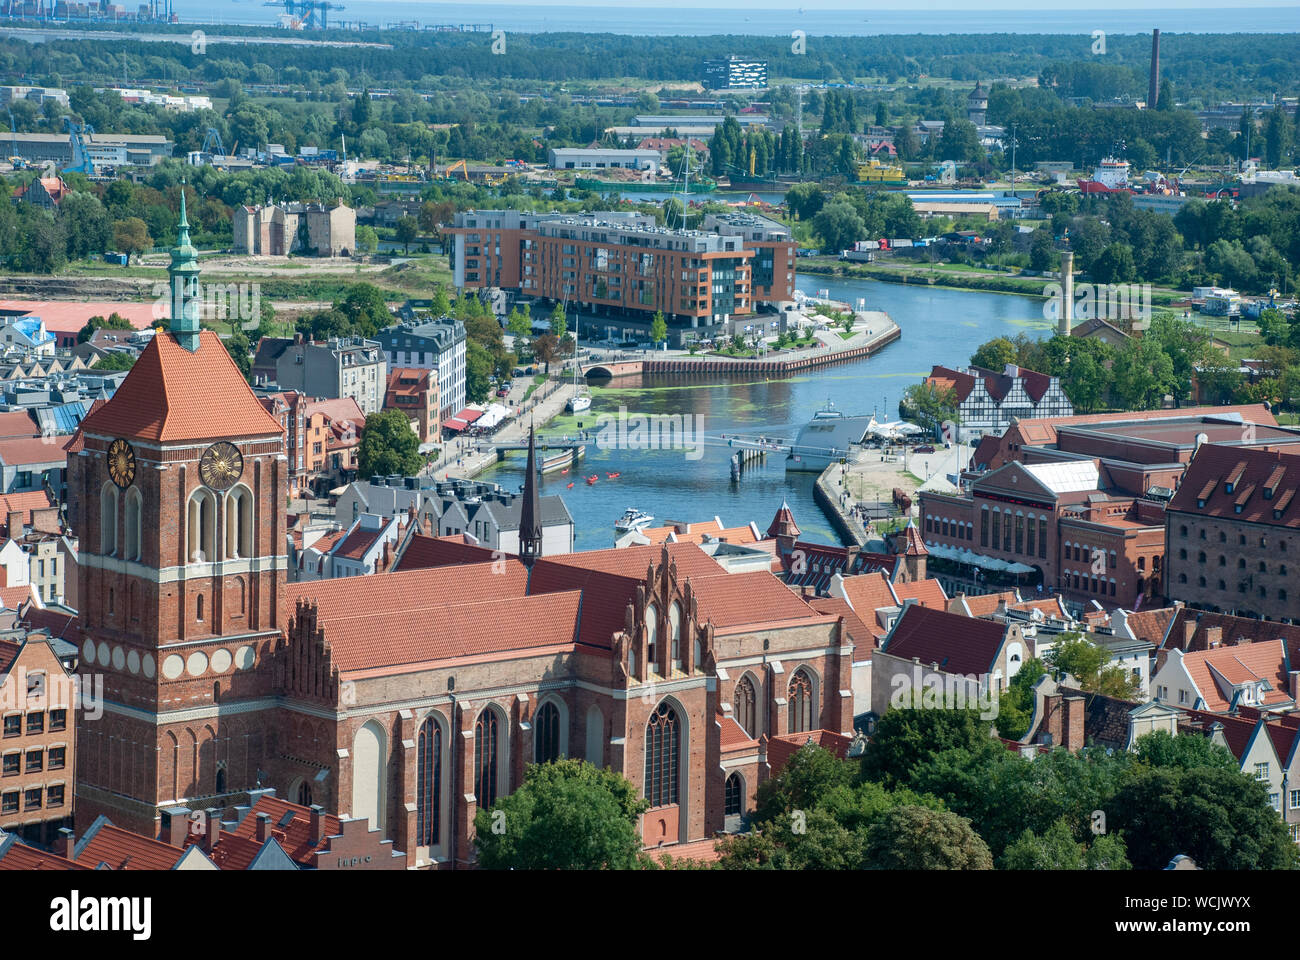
181, 479
530, 515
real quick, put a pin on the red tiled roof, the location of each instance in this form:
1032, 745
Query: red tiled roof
1232, 630
24, 502
781, 748
987, 604
423, 552
172, 394
294, 836
703, 851
357, 543
17, 423
123, 850
413, 591
1150, 625
9, 650
337, 409
66, 626
957, 644
18, 451
605, 597
22, 857
733, 734
1239, 664
1236, 730
858, 629
867, 593
691, 561
378, 637
928, 593
737, 599
1213, 466
14, 597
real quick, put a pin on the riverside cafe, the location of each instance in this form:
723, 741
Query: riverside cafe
962, 570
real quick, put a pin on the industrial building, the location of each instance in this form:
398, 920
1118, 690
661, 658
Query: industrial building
574, 158
105, 149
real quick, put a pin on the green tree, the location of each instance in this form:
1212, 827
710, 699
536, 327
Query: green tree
1090, 665
115, 360
1185, 751
800, 840
1042, 250
367, 239
906, 737
838, 225
559, 321
114, 321
1141, 375
238, 347
918, 838
131, 236
566, 815
658, 327
520, 323
995, 354
388, 446
1220, 818
1016, 705
1115, 265
930, 405
478, 371
1057, 849
407, 229
441, 304
804, 781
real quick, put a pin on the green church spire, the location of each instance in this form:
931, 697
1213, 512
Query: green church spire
183, 274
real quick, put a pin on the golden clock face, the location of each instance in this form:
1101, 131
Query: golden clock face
221, 465
121, 463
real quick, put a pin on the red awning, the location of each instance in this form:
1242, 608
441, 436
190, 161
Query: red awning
454, 424
468, 415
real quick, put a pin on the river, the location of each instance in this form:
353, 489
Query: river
938, 326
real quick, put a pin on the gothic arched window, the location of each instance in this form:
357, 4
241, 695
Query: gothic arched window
546, 734
733, 798
485, 758
108, 520
131, 524
746, 707
661, 754
428, 783
652, 637
675, 631
800, 702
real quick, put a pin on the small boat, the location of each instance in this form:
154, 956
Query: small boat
579, 403
570, 486
592, 480
612, 476
633, 519
564, 471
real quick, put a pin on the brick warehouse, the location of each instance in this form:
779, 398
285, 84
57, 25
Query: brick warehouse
408, 697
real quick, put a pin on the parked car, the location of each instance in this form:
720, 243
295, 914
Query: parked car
925, 449
503, 392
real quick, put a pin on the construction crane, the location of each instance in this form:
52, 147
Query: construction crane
463, 169
82, 162
15, 161
309, 14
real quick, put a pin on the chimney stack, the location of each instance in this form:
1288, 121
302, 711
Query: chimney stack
1066, 321
1153, 87
212, 835
263, 827
317, 824
66, 843
177, 826
1213, 638
15, 521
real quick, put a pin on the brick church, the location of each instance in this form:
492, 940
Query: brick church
412, 697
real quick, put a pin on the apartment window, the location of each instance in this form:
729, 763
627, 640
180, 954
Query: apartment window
54, 796
13, 764
58, 720
1275, 801
35, 723
1261, 771
14, 725
9, 802
32, 799
35, 761
1182, 696
57, 758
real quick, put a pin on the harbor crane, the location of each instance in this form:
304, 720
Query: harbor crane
310, 14
82, 162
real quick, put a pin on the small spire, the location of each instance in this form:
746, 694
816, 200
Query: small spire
530, 514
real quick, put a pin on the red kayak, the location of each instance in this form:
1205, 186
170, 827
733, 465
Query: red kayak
564, 471
591, 480
570, 486
613, 476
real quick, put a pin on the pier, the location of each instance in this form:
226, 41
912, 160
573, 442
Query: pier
552, 456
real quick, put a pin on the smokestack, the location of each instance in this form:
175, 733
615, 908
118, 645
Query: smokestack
1066, 322
1153, 87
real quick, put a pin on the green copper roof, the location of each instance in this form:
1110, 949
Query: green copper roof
184, 256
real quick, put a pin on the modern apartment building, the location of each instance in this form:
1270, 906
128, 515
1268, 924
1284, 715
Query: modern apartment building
621, 267
773, 267
341, 367
431, 345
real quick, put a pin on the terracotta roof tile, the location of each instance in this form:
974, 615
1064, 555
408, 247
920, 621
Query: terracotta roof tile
733, 734
17, 451
423, 552
928, 593
956, 643
781, 748
19, 856
296, 830
123, 850
1237, 665
987, 604
1215, 467
864, 638
172, 394
735, 599
17, 423
412, 591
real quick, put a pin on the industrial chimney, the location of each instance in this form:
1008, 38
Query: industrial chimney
1065, 317
1153, 87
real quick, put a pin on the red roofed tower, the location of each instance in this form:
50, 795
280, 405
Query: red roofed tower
784, 529
181, 479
